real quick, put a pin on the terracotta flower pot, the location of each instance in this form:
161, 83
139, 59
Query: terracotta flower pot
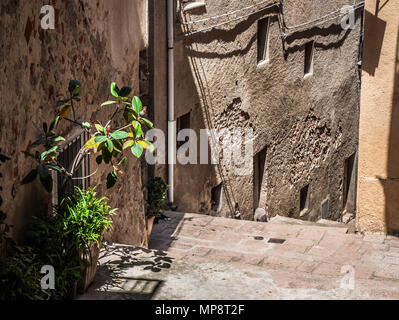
89, 272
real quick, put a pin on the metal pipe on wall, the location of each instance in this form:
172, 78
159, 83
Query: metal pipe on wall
171, 100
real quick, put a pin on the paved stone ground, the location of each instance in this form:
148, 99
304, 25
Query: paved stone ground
202, 257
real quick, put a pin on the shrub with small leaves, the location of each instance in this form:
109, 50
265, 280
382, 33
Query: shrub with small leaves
157, 188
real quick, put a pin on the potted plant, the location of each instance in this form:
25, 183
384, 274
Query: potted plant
86, 217
157, 188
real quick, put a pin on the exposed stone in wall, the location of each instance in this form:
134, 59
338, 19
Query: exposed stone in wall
309, 126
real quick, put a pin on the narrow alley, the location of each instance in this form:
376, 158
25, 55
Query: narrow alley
202, 257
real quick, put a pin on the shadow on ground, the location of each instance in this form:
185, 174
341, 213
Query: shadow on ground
114, 282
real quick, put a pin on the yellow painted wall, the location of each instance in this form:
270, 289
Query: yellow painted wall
378, 185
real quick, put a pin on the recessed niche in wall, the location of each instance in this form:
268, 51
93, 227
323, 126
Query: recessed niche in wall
304, 198
183, 122
349, 185
309, 55
258, 172
217, 197
263, 40
324, 209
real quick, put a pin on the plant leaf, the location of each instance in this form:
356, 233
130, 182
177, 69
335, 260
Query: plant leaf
86, 125
99, 159
137, 105
101, 129
118, 135
65, 111
137, 150
54, 124
137, 129
30, 177
148, 123
110, 145
100, 139
114, 90
58, 139
128, 144
90, 144
62, 102
45, 178
112, 178
146, 145
125, 91
108, 103
73, 84
49, 153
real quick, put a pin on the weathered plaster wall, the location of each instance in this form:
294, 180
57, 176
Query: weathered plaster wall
308, 125
378, 186
96, 42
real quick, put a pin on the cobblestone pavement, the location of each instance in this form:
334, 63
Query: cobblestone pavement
196, 256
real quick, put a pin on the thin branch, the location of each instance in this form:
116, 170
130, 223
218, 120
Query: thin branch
87, 177
113, 116
129, 125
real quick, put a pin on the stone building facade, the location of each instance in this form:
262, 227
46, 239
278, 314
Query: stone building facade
298, 94
378, 183
96, 42
305, 125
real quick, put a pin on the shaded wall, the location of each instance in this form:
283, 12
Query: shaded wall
378, 185
96, 42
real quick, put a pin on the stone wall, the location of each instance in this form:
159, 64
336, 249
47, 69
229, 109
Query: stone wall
96, 42
309, 126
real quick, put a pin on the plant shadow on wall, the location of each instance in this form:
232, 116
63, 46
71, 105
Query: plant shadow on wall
69, 238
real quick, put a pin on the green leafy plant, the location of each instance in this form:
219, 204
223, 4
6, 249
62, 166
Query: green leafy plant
62, 240
108, 140
157, 188
85, 217
45, 244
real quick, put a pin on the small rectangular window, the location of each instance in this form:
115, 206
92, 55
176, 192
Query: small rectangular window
349, 187
216, 197
324, 210
304, 198
183, 122
309, 53
67, 154
259, 168
263, 40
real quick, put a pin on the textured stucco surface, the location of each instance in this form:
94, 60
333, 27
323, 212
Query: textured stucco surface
308, 125
96, 42
378, 202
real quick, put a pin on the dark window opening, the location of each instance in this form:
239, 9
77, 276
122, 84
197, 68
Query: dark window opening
349, 187
324, 210
263, 40
309, 53
68, 152
183, 122
304, 198
216, 197
258, 171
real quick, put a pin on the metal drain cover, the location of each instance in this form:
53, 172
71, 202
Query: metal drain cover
279, 241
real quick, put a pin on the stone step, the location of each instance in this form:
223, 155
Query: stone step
320, 223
